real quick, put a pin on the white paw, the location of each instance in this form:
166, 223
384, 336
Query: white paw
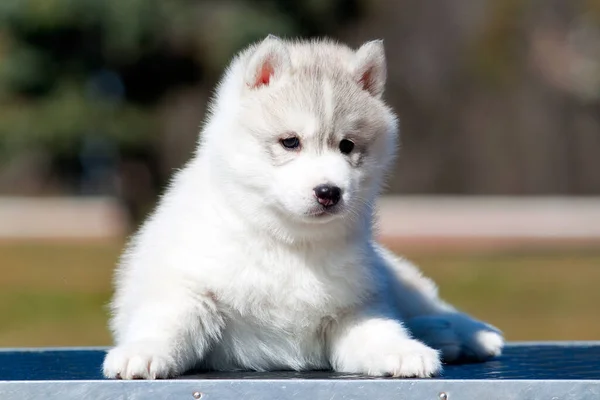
405, 358
487, 344
140, 360
458, 336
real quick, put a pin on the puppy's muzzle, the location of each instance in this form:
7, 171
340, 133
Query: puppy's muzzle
327, 195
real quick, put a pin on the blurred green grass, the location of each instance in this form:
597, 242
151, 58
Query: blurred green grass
55, 294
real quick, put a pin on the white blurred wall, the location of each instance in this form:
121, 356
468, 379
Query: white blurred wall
410, 220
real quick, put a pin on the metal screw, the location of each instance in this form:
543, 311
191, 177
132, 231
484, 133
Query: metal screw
443, 396
197, 395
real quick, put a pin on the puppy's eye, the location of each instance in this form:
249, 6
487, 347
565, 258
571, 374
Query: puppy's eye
290, 143
346, 146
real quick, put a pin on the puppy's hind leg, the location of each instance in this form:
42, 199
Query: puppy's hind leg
459, 336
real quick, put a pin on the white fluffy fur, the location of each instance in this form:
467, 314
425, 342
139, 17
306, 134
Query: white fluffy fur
240, 267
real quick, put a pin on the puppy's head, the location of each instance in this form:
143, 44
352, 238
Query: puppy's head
312, 137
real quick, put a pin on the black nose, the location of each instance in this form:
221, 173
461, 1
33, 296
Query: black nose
328, 195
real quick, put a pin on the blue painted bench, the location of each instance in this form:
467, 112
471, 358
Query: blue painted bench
551, 371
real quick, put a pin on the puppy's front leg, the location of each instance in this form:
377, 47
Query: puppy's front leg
162, 338
371, 342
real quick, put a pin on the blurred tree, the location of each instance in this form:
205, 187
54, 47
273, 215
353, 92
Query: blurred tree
84, 77
495, 97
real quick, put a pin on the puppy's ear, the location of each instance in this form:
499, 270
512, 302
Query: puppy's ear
369, 67
269, 62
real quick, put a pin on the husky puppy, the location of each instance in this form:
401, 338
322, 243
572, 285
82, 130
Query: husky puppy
261, 254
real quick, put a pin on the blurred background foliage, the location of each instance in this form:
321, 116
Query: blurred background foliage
70, 67
494, 97
83, 83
